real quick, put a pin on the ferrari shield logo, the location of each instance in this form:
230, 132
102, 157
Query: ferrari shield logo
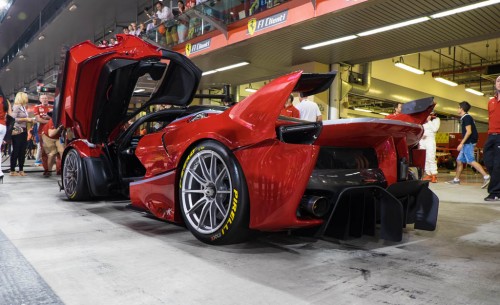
252, 25
188, 49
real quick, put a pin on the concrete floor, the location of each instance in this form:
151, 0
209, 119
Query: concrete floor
101, 253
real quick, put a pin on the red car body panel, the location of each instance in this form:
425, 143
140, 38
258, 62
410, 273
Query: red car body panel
277, 175
86, 149
83, 66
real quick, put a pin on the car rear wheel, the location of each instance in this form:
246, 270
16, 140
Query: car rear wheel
74, 177
213, 195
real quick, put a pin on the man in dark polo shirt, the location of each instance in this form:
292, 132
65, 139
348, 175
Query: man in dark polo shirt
491, 153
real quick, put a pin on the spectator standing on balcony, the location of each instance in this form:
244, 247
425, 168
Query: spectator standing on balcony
466, 146
42, 117
428, 142
309, 110
492, 146
183, 19
165, 15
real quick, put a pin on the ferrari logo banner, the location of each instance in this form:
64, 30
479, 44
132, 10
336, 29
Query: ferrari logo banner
255, 25
197, 47
252, 23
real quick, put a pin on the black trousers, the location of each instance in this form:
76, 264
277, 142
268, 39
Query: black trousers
491, 157
19, 143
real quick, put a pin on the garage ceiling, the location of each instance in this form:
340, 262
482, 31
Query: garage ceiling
276, 52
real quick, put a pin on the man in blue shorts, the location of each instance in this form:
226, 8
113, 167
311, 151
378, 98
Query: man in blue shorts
466, 146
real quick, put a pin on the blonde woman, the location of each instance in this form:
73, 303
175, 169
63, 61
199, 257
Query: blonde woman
19, 134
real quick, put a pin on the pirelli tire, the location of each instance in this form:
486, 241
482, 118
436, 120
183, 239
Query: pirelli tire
213, 195
74, 177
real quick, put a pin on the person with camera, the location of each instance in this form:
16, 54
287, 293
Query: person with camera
428, 142
51, 144
466, 146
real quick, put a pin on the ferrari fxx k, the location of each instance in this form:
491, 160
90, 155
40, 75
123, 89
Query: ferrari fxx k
227, 172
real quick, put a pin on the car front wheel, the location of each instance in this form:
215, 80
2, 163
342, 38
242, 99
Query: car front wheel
74, 177
213, 195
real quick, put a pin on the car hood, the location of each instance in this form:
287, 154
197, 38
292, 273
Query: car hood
95, 84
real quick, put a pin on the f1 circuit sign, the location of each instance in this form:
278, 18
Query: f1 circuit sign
197, 47
255, 25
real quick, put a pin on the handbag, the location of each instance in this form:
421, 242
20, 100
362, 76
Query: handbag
16, 131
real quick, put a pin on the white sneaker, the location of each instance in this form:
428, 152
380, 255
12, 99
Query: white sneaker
486, 181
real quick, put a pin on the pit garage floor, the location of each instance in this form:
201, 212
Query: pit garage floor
57, 252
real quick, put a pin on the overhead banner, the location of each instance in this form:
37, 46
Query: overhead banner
255, 25
197, 47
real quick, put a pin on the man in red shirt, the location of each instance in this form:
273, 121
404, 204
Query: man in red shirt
290, 110
491, 154
41, 116
51, 144
397, 111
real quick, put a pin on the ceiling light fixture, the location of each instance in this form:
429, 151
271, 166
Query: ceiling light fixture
240, 64
473, 91
139, 90
406, 67
329, 42
208, 72
383, 113
73, 8
250, 89
401, 64
465, 8
394, 26
445, 81
363, 110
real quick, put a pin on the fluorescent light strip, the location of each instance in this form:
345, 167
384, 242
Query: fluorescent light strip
445, 81
329, 42
363, 110
465, 8
243, 63
250, 90
383, 113
394, 26
208, 72
408, 68
470, 90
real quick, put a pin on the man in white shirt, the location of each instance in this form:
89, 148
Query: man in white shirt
163, 12
309, 110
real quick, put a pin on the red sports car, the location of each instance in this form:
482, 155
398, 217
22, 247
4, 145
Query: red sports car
227, 172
